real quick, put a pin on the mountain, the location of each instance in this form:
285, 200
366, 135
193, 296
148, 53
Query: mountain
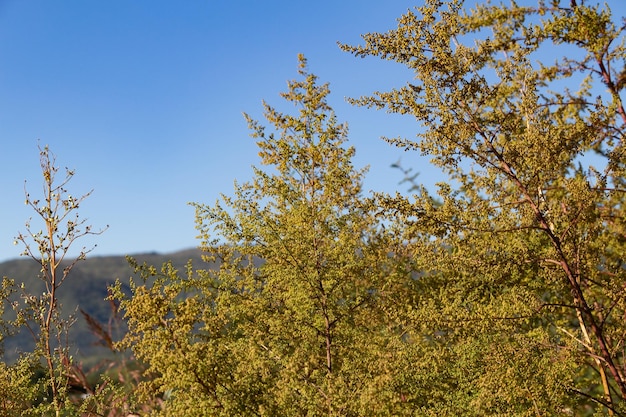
84, 289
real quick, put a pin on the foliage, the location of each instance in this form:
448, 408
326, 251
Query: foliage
522, 292
503, 294
94, 274
292, 317
41, 314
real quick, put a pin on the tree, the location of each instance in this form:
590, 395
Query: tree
523, 288
288, 318
41, 314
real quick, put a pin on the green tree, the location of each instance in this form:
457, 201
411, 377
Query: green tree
521, 302
41, 314
16, 381
289, 318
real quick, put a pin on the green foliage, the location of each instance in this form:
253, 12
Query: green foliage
502, 295
522, 286
293, 316
19, 392
46, 393
94, 274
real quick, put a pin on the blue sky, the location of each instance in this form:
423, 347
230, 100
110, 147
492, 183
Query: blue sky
144, 99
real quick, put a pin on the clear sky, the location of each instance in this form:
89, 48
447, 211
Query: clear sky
144, 99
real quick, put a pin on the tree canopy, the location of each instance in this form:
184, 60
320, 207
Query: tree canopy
292, 319
523, 258
502, 292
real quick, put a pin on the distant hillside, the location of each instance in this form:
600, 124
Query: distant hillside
86, 289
